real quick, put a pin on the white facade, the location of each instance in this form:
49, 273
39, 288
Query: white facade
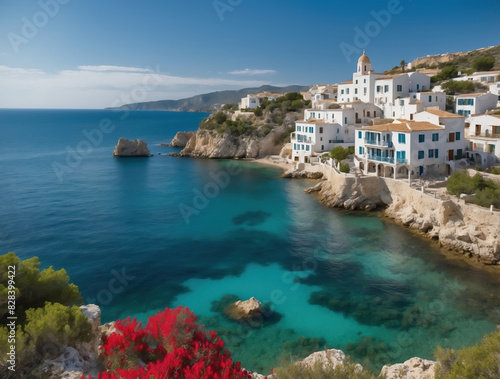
322, 130
484, 139
475, 103
411, 148
495, 89
362, 84
484, 77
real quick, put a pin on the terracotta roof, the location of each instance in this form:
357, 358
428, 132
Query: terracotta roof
406, 127
347, 82
390, 76
443, 114
364, 58
312, 121
473, 94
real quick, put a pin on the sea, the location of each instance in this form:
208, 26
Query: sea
138, 235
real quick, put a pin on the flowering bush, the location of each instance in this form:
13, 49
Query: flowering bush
171, 345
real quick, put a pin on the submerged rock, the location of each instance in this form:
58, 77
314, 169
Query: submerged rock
242, 310
127, 148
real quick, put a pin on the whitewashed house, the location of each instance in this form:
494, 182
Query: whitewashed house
475, 103
484, 139
405, 148
253, 101
484, 77
322, 130
495, 89
323, 93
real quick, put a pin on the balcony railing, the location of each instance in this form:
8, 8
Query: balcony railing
486, 135
379, 143
390, 160
301, 140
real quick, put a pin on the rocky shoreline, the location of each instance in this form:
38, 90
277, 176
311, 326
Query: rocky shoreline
74, 363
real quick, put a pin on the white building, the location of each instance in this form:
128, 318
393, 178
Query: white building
322, 93
253, 101
484, 139
362, 85
322, 130
411, 148
484, 77
495, 89
475, 103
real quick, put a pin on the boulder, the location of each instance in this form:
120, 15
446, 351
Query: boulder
242, 310
136, 148
181, 139
327, 358
414, 368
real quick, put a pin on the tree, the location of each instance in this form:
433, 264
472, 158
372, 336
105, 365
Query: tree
483, 63
220, 117
339, 153
448, 72
453, 86
403, 65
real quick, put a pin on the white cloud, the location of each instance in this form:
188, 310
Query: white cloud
101, 86
248, 71
113, 68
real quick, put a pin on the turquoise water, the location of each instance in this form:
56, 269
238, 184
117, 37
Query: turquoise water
138, 235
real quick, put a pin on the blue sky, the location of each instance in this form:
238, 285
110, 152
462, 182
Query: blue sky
93, 54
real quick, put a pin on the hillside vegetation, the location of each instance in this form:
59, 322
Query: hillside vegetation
283, 111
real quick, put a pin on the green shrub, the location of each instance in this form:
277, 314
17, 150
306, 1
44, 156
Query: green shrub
258, 111
479, 361
487, 192
495, 171
220, 117
34, 287
447, 72
339, 153
344, 167
453, 86
483, 63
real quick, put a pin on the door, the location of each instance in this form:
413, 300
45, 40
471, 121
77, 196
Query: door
421, 170
478, 130
450, 155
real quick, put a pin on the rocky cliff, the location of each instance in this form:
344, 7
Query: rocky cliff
180, 139
210, 144
464, 228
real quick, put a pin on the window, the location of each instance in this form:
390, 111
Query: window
342, 92
402, 138
435, 137
459, 153
356, 81
347, 91
431, 153
364, 81
418, 87
421, 138
451, 137
295, 146
386, 88
436, 153
355, 91
345, 120
321, 138
360, 134
457, 136
375, 113
320, 129
298, 128
311, 129
307, 148
421, 154
379, 89
302, 147
430, 98
361, 150
401, 103
368, 114
399, 88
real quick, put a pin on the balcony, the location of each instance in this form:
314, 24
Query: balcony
485, 135
374, 142
300, 139
390, 160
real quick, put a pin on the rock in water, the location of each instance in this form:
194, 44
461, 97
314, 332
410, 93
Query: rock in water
242, 310
414, 368
181, 139
136, 148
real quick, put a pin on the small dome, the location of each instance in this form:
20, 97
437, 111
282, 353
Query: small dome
364, 58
